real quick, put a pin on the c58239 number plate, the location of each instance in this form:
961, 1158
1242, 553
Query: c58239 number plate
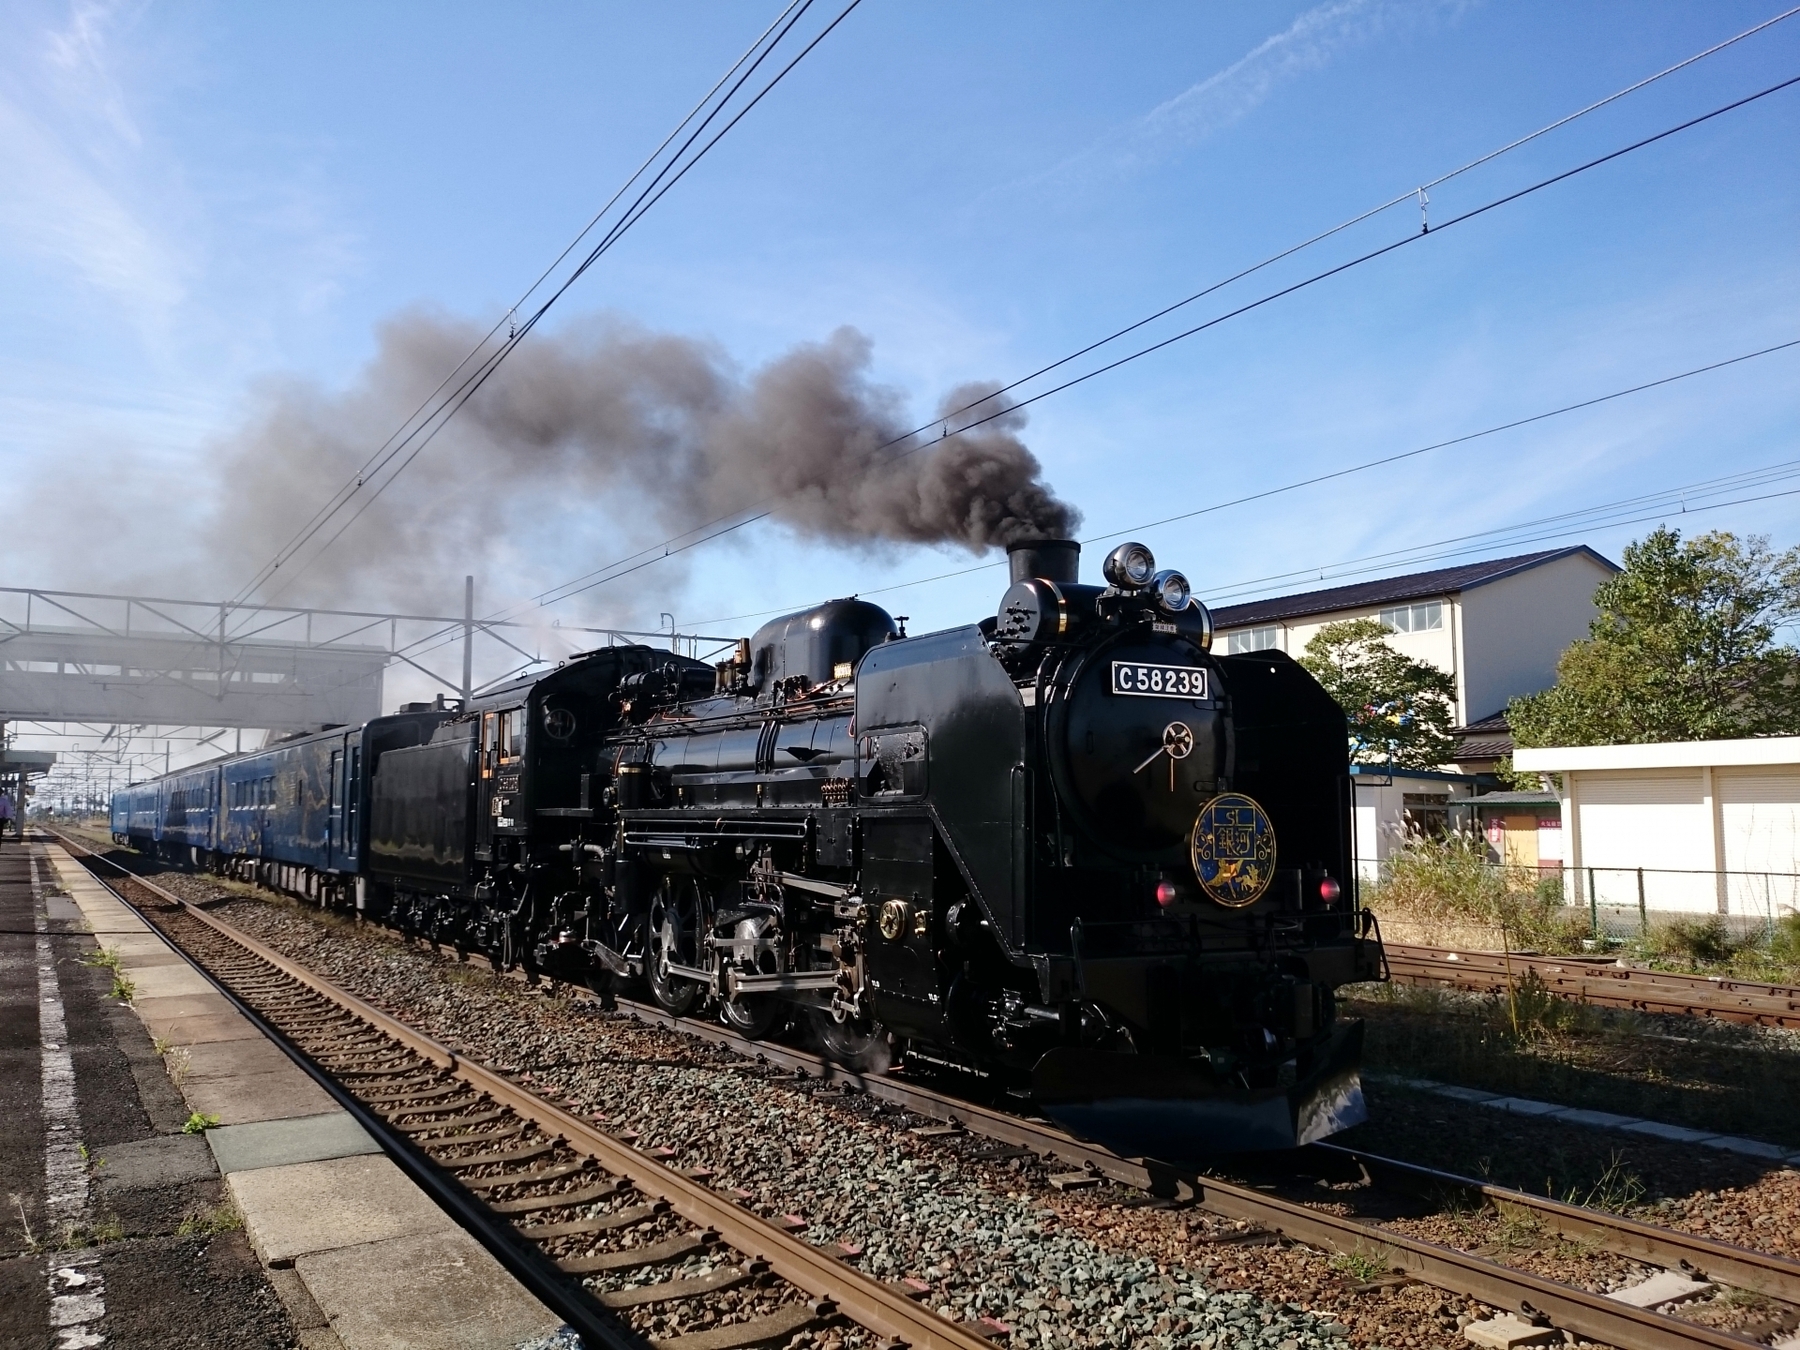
1135, 677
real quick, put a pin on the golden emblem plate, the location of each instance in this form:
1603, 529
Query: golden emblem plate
1234, 850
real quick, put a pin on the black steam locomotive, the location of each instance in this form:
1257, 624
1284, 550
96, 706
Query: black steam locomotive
1068, 850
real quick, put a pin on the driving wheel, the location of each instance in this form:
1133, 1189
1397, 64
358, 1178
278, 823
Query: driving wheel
675, 928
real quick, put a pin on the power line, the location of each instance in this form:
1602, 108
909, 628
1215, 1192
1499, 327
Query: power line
727, 524
357, 480
1606, 515
441, 416
652, 193
1400, 200
633, 216
1315, 479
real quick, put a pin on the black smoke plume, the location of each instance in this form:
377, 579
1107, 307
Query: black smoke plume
609, 435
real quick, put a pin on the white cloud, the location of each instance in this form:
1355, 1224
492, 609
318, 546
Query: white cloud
57, 207
1308, 44
77, 55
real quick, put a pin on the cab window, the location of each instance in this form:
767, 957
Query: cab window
512, 734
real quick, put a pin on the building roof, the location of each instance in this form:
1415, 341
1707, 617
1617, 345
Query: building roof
1526, 798
1753, 751
1485, 738
1391, 590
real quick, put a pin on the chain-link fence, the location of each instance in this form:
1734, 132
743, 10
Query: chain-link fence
1627, 902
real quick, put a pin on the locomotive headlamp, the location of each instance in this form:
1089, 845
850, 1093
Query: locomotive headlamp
1171, 590
1330, 890
1129, 567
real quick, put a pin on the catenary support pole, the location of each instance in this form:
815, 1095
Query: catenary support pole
468, 686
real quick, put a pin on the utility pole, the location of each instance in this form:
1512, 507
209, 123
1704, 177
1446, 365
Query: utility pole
468, 687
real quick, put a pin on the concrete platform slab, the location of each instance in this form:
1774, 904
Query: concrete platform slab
132, 962
202, 1028
170, 981
213, 1017
183, 1005
135, 943
1755, 1148
1601, 1120
235, 1058
282, 1143
106, 923
258, 1096
1524, 1106
454, 1297
166, 1160
318, 1206
1679, 1134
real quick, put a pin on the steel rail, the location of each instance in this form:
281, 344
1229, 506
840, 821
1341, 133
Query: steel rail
1653, 1244
1603, 984
521, 1260
1588, 1314
883, 1309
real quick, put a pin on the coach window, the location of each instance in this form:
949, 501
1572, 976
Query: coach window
512, 734
490, 740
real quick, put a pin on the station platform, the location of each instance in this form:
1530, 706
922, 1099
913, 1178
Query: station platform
178, 1157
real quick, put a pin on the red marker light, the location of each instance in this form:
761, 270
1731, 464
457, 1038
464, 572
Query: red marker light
1165, 893
1329, 890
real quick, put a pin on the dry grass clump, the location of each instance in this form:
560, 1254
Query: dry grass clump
1711, 945
1445, 890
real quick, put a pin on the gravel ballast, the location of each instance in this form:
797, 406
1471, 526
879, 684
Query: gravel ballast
990, 1239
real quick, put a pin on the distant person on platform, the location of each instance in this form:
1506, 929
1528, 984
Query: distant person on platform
6, 814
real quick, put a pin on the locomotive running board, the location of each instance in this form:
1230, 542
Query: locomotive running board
1160, 1106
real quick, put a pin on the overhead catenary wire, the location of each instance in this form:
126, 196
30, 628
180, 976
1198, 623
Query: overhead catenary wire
356, 480
684, 543
1612, 515
1409, 195
1315, 479
648, 198
1685, 499
652, 193
751, 514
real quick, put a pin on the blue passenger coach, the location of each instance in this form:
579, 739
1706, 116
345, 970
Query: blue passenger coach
292, 816
289, 815
296, 803
187, 804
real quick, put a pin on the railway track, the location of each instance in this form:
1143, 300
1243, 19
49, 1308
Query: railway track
1603, 982
525, 1189
583, 1219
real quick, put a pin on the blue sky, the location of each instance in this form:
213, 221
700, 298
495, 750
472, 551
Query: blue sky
206, 202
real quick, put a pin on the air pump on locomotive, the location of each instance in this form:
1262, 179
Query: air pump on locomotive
1069, 849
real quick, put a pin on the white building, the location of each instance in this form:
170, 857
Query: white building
1698, 826
1392, 805
1496, 627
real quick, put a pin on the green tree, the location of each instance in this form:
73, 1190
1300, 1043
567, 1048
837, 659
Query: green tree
1683, 650
1400, 710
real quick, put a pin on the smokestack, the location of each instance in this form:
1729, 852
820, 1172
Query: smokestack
1057, 560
